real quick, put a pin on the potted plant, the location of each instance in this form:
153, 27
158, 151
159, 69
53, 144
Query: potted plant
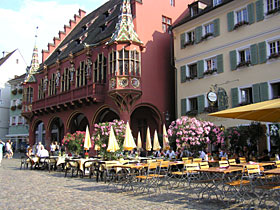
20, 91
14, 91
13, 108
19, 106
74, 143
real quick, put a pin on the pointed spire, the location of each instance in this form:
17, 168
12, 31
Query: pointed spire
32, 69
125, 28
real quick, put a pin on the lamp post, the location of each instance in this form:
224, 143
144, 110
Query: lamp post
167, 118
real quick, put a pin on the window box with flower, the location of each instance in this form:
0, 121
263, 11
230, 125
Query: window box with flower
210, 71
274, 56
190, 77
191, 42
273, 11
13, 108
19, 106
206, 36
239, 24
243, 64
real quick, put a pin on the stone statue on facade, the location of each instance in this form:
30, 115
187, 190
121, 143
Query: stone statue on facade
72, 71
57, 78
45, 84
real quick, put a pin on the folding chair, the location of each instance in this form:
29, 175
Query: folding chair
73, 166
223, 164
242, 160
232, 162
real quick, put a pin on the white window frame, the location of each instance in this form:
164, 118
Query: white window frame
187, 37
189, 102
210, 58
266, 5
277, 48
240, 93
243, 49
172, 3
204, 26
270, 83
188, 69
241, 10
13, 102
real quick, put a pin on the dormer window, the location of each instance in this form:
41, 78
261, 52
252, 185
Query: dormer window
58, 52
216, 2
103, 27
78, 41
84, 27
107, 13
197, 7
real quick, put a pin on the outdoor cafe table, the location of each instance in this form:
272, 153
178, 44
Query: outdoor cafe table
218, 176
261, 164
275, 171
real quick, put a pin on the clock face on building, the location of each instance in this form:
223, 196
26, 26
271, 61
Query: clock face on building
123, 82
212, 96
135, 82
113, 83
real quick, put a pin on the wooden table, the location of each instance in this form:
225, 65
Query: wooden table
275, 171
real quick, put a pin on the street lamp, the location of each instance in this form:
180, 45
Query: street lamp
167, 118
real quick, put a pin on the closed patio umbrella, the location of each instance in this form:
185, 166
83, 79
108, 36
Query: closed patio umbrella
156, 145
112, 144
266, 111
128, 143
87, 143
165, 139
148, 140
139, 141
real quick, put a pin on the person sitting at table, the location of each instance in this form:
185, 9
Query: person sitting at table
29, 152
264, 156
222, 153
179, 154
157, 153
170, 154
42, 152
202, 154
52, 148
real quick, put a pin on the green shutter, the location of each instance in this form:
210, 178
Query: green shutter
183, 74
233, 60
254, 54
220, 64
262, 52
251, 13
183, 106
222, 100
200, 104
216, 27
256, 93
183, 39
234, 97
198, 34
264, 91
259, 10
230, 21
200, 69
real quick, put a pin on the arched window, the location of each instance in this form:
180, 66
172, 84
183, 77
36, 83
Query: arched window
52, 86
129, 62
65, 80
41, 93
112, 62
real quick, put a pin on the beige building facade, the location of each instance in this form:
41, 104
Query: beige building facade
231, 48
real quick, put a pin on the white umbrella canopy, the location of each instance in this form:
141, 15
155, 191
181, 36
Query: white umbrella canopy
112, 144
156, 145
129, 143
87, 143
96, 146
148, 140
165, 139
139, 141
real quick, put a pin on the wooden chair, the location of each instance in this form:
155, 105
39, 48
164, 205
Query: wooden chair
197, 160
223, 164
232, 162
277, 163
242, 160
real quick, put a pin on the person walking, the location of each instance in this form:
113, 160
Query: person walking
1, 150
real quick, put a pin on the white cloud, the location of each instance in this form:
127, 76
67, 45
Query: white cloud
18, 27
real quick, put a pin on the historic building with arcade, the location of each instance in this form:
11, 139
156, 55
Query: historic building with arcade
114, 63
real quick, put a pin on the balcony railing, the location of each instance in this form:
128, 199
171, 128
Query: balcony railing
96, 91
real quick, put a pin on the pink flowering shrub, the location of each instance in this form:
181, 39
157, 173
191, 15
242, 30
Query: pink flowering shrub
195, 133
101, 134
74, 143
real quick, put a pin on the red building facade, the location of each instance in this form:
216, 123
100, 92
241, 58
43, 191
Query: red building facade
114, 63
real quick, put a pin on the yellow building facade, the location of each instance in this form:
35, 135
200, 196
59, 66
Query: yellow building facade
231, 48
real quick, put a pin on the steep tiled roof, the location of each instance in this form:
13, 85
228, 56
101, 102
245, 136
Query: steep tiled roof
2, 60
92, 29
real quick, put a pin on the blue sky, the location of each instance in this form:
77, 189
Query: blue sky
19, 19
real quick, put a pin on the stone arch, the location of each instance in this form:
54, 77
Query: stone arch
104, 114
143, 116
56, 129
77, 122
39, 131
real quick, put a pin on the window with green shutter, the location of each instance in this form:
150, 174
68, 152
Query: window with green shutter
230, 21
251, 13
183, 74
216, 27
234, 97
262, 52
220, 64
200, 69
264, 91
198, 34
182, 39
183, 106
254, 54
259, 10
256, 93
200, 104
233, 60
